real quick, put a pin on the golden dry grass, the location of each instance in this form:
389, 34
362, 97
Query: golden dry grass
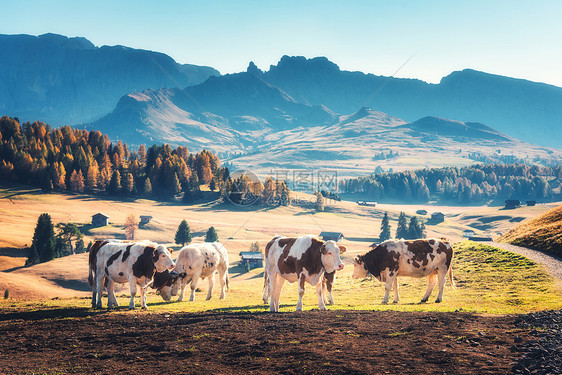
542, 233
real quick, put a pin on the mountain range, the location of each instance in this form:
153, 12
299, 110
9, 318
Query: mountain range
299, 111
62, 81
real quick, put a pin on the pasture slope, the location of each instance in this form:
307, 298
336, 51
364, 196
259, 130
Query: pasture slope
542, 233
47, 326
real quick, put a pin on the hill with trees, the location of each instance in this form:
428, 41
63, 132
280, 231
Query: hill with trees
75, 160
476, 184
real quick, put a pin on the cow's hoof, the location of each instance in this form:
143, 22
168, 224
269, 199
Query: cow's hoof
323, 308
423, 300
384, 302
131, 308
394, 302
144, 308
438, 301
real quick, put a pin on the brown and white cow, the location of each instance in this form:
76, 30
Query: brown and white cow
302, 259
202, 260
121, 262
416, 258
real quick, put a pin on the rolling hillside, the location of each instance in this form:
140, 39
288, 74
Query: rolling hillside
541, 233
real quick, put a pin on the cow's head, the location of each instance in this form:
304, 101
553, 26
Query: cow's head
330, 254
162, 259
359, 267
167, 283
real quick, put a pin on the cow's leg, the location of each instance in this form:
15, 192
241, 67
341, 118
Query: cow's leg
194, 281
133, 290
111, 299
324, 289
321, 305
143, 297
265, 288
395, 286
329, 285
211, 286
276, 286
302, 280
100, 280
387, 287
442, 274
94, 291
223, 272
431, 281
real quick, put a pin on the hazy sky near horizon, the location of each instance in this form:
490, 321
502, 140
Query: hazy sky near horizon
520, 39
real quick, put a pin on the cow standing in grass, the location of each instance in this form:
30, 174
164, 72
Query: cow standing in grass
303, 259
195, 261
417, 258
121, 262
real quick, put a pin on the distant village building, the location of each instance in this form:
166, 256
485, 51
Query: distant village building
437, 217
144, 219
334, 236
512, 203
251, 259
468, 233
485, 238
421, 212
367, 203
100, 220
531, 203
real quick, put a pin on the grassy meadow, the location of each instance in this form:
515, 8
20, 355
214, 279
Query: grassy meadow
489, 280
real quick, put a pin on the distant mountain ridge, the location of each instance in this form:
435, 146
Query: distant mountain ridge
65, 81
523, 109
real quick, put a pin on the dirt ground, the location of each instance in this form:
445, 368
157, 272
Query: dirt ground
333, 342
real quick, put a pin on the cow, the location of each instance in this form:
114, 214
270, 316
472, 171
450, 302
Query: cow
121, 262
416, 258
302, 259
195, 261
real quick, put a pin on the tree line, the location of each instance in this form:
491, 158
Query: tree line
473, 184
77, 160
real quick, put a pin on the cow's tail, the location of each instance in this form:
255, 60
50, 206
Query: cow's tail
451, 276
227, 279
92, 260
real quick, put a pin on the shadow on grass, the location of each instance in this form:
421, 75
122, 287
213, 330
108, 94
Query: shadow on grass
57, 313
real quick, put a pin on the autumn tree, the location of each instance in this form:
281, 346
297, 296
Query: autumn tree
130, 227
77, 182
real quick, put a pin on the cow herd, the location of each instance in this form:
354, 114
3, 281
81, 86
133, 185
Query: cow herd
304, 259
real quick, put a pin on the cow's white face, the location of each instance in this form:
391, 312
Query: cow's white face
164, 260
359, 270
331, 256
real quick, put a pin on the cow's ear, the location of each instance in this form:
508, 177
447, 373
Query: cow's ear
154, 254
343, 249
170, 250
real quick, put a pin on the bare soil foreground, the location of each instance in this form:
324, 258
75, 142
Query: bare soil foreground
334, 342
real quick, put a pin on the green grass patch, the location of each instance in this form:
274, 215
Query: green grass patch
489, 280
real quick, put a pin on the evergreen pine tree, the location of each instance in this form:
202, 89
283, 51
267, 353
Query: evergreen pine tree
183, 234
423, 232
44, 238
33, 256
414, 229
402, 228
147, 187
385, 228
115, 183
211, 235
319, 202
213, 185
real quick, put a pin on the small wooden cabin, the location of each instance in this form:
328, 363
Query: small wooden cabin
253, 259
100, 220
334, 236
438, 217
144, 219
512, 203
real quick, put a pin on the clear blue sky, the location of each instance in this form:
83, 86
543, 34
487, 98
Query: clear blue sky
514, 38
